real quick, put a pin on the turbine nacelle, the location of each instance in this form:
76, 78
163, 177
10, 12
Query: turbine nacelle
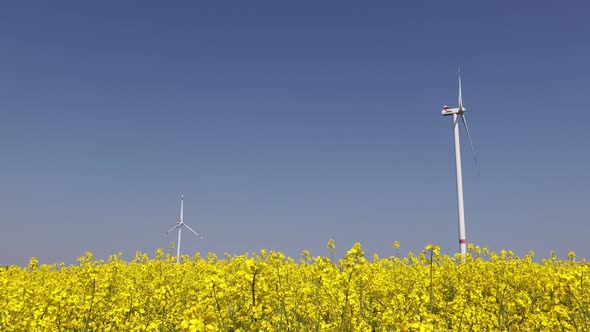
450, 111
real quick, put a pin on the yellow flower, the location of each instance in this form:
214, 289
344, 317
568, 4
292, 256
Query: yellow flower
271, 292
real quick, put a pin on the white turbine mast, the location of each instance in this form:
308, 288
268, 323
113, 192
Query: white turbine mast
179, 224
456, 113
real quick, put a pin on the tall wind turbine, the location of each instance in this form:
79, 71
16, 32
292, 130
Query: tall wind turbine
179, 224
456, 113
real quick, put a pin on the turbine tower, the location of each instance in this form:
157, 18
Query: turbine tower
456, 113
179, 224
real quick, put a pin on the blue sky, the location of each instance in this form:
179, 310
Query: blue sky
287, 124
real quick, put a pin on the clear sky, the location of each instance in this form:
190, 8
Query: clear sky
289, 123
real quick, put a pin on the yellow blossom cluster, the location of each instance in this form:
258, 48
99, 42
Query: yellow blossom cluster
266, 291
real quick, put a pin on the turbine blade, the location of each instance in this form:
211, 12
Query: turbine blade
181, 207
460, 94
192, 230
171, 229
469, 136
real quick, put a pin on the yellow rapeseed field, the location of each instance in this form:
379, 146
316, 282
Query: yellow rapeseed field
266, 291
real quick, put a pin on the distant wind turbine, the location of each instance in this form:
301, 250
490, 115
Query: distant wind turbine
456, 112
179, 224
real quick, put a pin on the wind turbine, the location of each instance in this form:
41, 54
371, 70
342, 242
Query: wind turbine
179, 224
456, 113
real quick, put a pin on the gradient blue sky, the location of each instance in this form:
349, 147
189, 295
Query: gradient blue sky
287, 124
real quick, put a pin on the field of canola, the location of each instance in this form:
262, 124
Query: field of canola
267, 291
